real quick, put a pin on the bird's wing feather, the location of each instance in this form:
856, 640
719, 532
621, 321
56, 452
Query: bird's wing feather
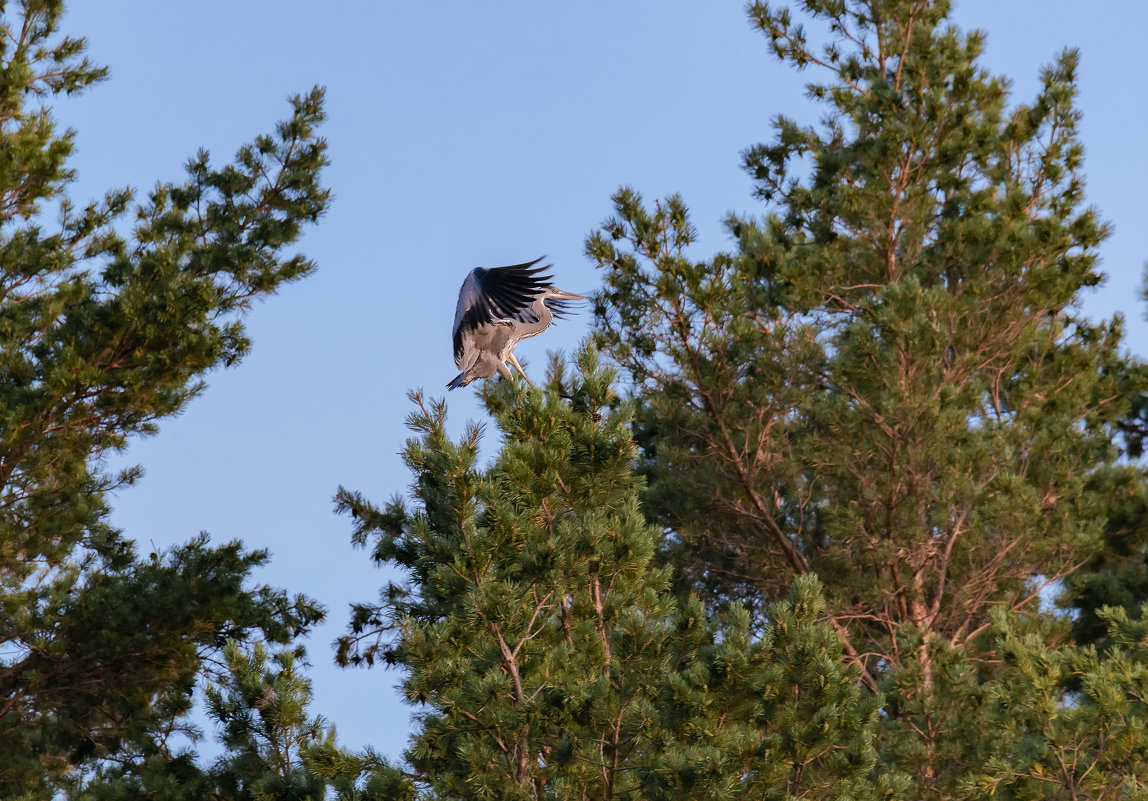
498, 293
508, 292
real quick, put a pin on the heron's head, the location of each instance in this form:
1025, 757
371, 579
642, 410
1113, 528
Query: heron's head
560, 302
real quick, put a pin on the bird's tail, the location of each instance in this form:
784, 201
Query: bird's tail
460, 380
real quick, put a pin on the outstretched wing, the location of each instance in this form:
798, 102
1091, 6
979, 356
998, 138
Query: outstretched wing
507, 293
498, 293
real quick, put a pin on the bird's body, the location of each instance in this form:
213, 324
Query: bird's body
498, 308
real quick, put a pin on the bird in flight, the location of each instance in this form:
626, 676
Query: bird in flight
498, 308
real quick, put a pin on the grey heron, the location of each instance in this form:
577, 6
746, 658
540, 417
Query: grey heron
498, 308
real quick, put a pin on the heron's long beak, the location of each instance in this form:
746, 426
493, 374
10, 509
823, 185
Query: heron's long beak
558, 293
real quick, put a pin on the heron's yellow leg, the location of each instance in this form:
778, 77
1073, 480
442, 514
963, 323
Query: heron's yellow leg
514, 360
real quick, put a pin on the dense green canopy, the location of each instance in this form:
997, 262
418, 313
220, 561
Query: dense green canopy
857, 509
108, 318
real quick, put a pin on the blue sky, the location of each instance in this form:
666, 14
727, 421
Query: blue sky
465, 134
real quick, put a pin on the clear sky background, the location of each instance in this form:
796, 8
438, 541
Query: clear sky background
465, 134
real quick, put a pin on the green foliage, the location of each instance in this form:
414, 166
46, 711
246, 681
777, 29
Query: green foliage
861, 390
106, 327
1070, 720
888, 383
1117, 574
549, 654
274, 749
263, 721
359, 777
114, 664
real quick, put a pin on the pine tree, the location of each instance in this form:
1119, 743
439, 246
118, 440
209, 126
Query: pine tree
262, 713
547, 652
1117, 573
275, 749
1089, 742
103, 332
888, 383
